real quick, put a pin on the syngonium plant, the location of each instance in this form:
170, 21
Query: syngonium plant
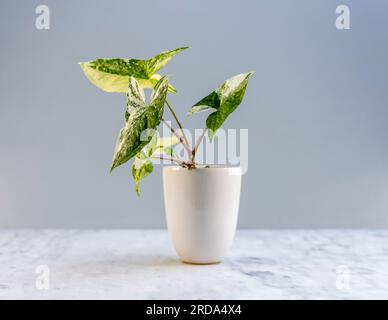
138, 139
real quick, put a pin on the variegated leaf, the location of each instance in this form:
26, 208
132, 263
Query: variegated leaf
224, 100
135, 97
129, 141
159, 61
141, 120
142, 166
141, 169
158, 98
112, 75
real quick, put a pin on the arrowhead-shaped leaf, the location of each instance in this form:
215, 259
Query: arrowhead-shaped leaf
112, 75
210, 101
159, 61
224, 100
135, 97
158, 98
142, 166
140, 120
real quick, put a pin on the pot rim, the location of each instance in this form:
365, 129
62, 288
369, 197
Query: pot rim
234, 169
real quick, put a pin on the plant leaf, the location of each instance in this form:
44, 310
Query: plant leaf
158, 98
197, 109
135, 97
129, 141
224, 100
164, 145
141, 122
143, 166
151, 82
167, 142
140, 170
117, 83
112, 75
210, 101
149, 149
159, 61
158, 146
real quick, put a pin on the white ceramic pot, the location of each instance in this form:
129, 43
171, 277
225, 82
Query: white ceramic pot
202, 209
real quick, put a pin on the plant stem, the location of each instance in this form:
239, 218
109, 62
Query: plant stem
183, 164
194, 151
178, 122
181, 140
170, 159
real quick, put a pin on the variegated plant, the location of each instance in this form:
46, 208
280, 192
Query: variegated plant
138, 139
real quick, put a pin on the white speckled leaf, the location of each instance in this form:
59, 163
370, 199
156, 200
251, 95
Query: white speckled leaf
117, 83
159, 61
112, 75
142, 166
158, 98
140, 170
140, 119
224, 100
128, 142
164, 145
135, 96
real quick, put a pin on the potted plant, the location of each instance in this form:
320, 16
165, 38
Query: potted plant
201, 202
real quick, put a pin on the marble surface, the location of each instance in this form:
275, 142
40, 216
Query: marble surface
141, 264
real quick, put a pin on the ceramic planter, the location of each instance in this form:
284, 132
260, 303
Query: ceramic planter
201, 210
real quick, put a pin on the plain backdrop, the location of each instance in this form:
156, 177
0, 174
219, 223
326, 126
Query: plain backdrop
316, 108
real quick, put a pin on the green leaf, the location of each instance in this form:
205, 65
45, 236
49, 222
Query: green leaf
129, 141
135, 97
224, 100
159, 61
158, 98
210, 101
113, 82
141, 169
149, 149
141, 120
164, 145
167, 142
158, 146
112, 75
197, 109
142, 166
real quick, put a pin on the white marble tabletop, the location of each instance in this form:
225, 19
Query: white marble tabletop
141, 264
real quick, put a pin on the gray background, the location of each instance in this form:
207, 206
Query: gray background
316, 108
